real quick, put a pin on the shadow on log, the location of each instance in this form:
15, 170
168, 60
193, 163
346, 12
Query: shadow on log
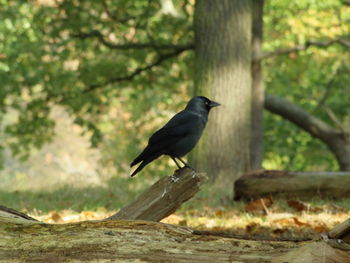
292, 184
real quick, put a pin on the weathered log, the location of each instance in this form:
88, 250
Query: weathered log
164, 197
25, 240
292, 184
126, 241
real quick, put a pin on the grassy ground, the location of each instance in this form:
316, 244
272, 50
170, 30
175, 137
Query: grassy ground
206, 211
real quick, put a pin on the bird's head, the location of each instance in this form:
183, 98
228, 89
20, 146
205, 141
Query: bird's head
201, 103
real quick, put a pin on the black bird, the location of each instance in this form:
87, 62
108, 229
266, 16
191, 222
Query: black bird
179, 135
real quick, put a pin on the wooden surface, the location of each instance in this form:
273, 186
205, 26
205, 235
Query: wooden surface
24, 240
125, 241
296, 184
164, 197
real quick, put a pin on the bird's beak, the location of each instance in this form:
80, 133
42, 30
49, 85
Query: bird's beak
213, 104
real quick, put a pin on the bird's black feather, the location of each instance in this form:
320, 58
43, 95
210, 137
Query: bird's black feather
179, 135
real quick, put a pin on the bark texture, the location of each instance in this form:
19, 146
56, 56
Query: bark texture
164, 197
223, 73
301, 184
144, 241
337, 141
125, 241
257, 141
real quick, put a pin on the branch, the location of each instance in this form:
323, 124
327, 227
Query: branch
283, 51
138, 70
300, 117
11, 213
346, 2
100, 37
334, 119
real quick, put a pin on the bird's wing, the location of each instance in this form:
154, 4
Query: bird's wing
177, 127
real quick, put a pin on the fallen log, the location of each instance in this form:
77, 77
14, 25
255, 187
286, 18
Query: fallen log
125, 241
23, 239
292, 184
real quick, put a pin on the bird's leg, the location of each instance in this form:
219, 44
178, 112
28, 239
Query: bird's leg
173, 177
186, 165
177, 164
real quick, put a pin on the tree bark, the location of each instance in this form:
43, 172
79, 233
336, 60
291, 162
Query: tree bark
257, 128
292, 184
337, 141
223, 73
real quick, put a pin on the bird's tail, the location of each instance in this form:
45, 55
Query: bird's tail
141, 156
143, 164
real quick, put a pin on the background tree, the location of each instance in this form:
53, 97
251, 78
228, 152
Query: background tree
305, 61
97, 60
257, 126
222, 72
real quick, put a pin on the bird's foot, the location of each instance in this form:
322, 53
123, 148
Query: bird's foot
174, 178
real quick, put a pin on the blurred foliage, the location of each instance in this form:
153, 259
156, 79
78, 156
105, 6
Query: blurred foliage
313, 79
72, 53
116, 68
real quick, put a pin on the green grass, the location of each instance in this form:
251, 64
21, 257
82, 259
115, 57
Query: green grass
117, 193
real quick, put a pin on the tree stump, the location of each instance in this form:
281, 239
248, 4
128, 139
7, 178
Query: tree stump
164, 197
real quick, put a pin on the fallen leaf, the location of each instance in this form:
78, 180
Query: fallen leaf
297, 205
55, 216
320, 227
282, 221
89, 214
259, 205
298, 222
219, 212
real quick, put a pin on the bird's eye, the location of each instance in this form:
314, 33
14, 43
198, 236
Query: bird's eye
207, 102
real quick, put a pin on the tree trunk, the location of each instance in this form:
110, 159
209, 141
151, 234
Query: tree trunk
257, 141
337, 141
292, 184
223, 73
